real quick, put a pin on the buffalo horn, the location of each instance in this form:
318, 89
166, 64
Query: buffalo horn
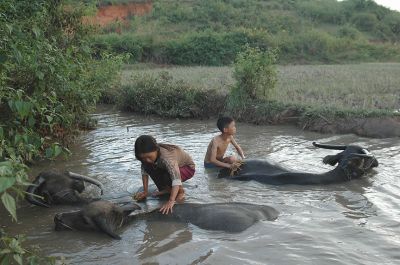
333, 147
87, 179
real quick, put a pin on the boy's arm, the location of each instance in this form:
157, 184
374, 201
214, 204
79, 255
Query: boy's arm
213, 157
240, 151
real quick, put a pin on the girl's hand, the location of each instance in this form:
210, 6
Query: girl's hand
167, 207
140, 196
159, 193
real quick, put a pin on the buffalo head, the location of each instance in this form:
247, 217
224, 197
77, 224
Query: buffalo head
103, 216
354, 160
52, 187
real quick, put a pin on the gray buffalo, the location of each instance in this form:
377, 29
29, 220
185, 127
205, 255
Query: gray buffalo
52, 187
353, 162
106, 216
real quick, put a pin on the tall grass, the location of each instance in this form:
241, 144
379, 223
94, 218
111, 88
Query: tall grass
372, 86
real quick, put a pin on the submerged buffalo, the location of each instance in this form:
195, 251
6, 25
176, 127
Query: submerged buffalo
102, 216
59, 188
106, 217
353, 162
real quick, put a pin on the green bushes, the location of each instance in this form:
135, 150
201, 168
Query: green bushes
48, 84
161, 95
205, 48
212, 32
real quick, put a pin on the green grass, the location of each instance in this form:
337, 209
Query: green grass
370, 86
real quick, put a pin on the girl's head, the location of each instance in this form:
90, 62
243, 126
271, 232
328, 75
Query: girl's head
146, 149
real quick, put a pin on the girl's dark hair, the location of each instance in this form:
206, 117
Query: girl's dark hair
147, 144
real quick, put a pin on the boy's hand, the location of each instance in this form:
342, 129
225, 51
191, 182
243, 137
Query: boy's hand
140, 196
235, 167
167, 207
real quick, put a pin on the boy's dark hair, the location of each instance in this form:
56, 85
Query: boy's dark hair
224, 122
145, 144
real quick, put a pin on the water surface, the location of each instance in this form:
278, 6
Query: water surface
356, 222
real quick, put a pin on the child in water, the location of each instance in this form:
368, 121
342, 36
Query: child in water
218, 145
167, 165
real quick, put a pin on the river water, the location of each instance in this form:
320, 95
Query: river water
357, 222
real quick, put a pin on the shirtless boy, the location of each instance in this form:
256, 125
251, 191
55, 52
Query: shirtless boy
218, 145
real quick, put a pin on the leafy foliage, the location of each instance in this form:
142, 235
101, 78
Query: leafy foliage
48, 84
255, 73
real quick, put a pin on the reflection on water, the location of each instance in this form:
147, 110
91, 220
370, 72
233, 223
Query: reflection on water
350, 223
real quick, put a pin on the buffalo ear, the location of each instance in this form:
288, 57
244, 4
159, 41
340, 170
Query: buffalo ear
331, 159
102, 225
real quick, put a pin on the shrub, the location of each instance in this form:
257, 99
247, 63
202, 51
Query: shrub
162, 95
365, 21
255, 73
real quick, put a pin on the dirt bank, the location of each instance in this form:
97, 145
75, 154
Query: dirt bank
107, 14
377, 127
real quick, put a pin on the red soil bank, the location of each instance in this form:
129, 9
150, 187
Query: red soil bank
107, 14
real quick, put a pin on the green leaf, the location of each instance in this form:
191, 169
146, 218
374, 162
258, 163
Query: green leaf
18, 258
5, 251
9, 27
17, 139
49, 152
36, 31
31, 121
5, 260
9, 203
40, 75
6, 168
57, 150
49, 118
1, 133
6, 182
3, 58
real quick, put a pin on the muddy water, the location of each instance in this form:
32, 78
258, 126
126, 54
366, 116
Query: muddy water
357, 222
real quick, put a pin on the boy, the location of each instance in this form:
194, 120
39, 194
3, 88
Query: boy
218, 145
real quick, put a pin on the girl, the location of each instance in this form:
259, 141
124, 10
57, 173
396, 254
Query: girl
167, 165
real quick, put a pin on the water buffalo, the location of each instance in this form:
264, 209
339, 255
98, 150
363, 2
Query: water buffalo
59, 188
106, 216
103, 216
353, 162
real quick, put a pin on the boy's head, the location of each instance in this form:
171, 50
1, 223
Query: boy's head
226, 125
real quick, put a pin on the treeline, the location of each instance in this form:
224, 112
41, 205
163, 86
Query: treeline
212, 32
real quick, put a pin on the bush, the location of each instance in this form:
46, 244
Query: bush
205, 48
348, 31
365, 21
161, 95
255, 73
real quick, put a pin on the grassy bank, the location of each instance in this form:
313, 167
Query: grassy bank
212, 32
357, 87
361, 99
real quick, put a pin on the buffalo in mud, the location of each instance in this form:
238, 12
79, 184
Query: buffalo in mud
52, 187
107, 217
352, 163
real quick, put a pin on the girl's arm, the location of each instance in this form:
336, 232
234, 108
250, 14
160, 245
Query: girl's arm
167, 207
240, 151
145, 180
142, 195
